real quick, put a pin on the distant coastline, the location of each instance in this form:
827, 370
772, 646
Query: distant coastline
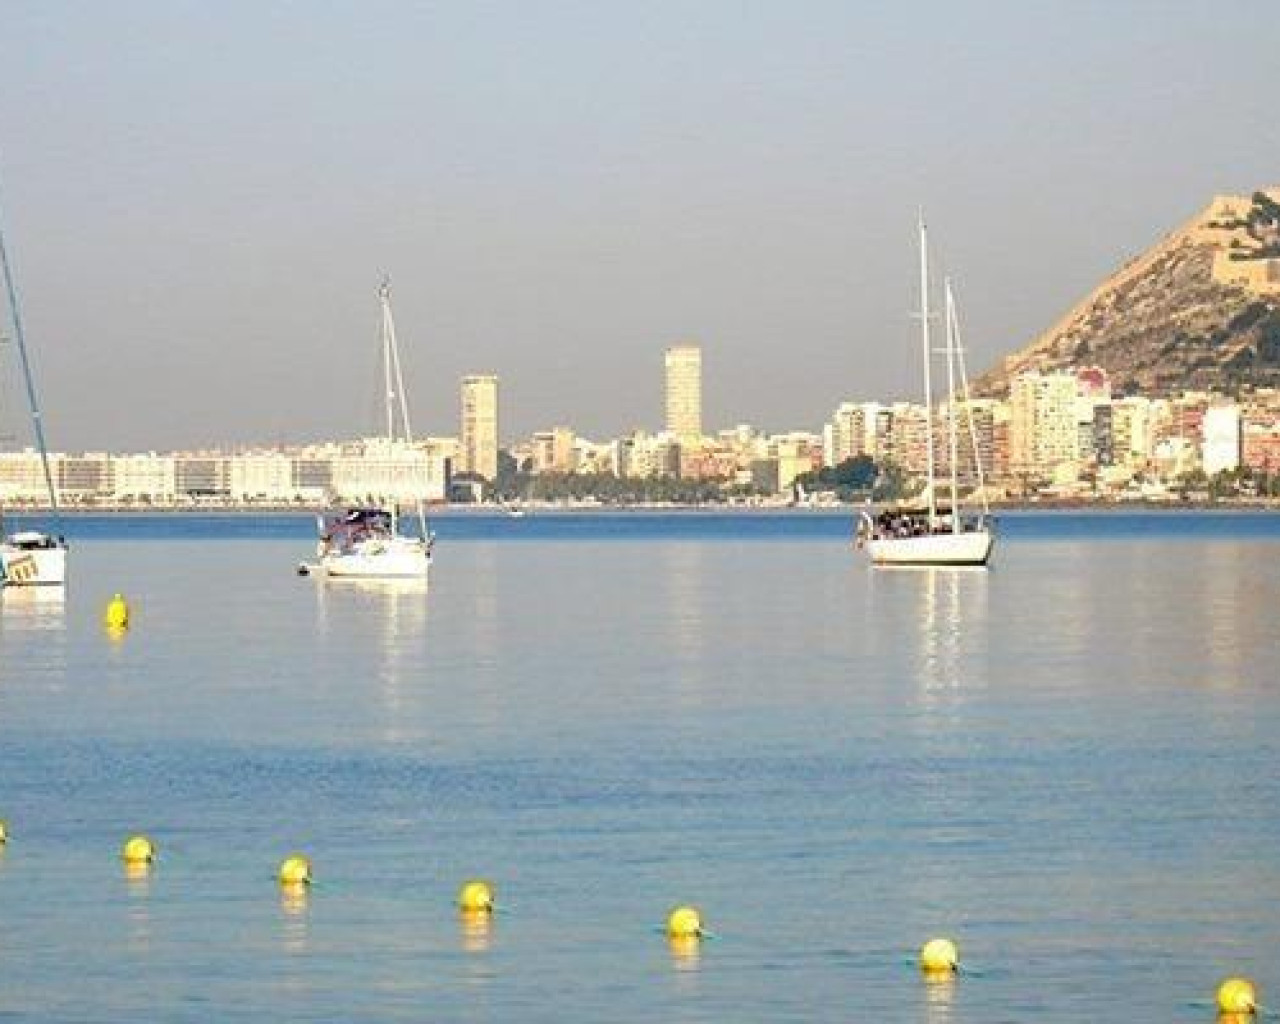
1243, 505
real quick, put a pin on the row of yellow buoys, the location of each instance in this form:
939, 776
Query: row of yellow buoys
1237, 998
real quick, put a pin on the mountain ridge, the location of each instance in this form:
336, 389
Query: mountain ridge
1198, 310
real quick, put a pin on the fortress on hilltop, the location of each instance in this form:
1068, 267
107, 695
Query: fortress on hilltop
1199, 309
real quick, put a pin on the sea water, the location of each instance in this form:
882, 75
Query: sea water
1068, 763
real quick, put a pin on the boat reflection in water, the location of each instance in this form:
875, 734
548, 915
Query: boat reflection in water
34, 607
386, 620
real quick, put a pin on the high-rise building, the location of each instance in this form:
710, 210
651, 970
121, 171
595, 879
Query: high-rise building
1044, 435
479, 453
1221, 428
684, 392
552, 451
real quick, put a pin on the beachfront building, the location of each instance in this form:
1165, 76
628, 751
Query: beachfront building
22, 477
479, 439
851, 432
382, 470
1044, 434
643, 455
553, 451
145, 477
1220, 430
1133, 432
84, 477
261, 476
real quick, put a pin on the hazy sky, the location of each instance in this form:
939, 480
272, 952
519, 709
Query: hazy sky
201, 197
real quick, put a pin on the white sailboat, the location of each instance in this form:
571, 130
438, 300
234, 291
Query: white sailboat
933, 534
30, 557
369, 542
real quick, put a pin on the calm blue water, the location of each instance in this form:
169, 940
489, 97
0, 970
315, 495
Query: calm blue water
1070, 764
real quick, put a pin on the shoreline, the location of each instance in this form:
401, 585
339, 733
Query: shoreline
1240, 505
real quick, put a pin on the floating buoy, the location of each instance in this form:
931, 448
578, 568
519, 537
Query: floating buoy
295, 870
117, 614
1237, 995
4, 832
939, 955
684, 923
138, 850
476, 896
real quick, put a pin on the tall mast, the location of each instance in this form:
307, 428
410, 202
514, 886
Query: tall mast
37, 419
387, 331
928, 357
394, 380
968, 407
953, 441
388, 387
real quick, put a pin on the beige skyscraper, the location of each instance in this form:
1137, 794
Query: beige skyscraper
684, 392
480, 425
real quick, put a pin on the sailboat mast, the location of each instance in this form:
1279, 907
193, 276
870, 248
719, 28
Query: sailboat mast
37, 419
928, 358
968, 407
953, 440
389, 392
395, 387
388, 387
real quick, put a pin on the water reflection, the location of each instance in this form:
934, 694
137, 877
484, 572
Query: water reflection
483, 619
393, 613
939, 996
1230, 613
34, 620
295, 934
682, 628
137, 876
940, 631
476, 930
686, 951
948, 608
33, 607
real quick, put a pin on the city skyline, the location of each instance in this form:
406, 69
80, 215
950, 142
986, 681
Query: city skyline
558, 194
1060, 433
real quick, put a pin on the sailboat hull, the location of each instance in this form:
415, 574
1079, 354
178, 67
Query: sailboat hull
932, 549
32, 567
400, 559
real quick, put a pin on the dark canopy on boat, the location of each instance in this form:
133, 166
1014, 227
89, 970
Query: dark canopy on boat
357, 519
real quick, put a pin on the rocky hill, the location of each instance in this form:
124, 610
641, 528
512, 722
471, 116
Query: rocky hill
1200, 310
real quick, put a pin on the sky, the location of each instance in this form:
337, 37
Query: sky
200, 199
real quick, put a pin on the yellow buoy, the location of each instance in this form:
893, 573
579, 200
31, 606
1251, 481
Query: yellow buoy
4, 832
939, 955
117, 614
138, 850
295, 870
476, 896
1237, 995
684, 923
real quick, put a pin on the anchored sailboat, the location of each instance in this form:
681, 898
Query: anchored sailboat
933, 534
30, 557
368, 542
